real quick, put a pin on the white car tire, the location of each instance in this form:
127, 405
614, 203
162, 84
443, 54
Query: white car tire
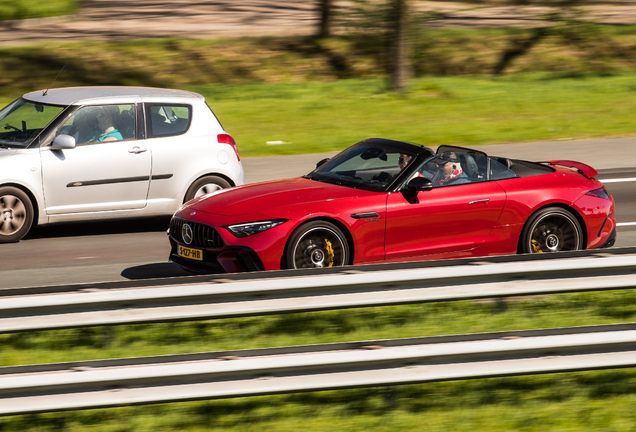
205, 185
16, 214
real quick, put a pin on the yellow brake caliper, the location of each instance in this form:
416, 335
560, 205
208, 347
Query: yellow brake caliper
536, 246
330, 253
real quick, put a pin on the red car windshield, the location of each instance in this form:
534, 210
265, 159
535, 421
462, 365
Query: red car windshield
365, 166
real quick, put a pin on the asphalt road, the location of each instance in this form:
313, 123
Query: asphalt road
138, 249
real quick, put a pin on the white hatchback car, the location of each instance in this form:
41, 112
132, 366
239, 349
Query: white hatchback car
86, 153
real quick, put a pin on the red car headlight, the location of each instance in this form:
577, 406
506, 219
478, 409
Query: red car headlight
599, 193
251, 228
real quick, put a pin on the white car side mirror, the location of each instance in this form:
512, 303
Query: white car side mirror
63, 142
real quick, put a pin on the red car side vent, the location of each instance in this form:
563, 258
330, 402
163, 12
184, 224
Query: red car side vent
227, 139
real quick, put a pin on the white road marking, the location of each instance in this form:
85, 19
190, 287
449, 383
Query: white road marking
617, 180
629, 179
276, 142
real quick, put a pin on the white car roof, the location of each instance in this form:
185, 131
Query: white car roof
83, 95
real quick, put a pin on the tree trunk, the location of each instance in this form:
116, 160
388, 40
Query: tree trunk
325, 18
401, 56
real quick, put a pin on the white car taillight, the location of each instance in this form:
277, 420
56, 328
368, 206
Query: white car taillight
227, 139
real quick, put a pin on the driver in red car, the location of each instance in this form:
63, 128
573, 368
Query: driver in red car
404, 160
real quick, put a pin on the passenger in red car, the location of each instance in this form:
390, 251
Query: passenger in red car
449, 170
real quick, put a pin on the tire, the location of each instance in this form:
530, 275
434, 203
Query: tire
315, 245
552, 229
16, 214
205, 185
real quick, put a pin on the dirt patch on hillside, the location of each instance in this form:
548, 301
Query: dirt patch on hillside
132, 19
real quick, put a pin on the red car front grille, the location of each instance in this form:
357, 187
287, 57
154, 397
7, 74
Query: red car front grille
203, 236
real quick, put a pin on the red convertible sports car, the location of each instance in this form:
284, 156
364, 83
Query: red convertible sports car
389, 201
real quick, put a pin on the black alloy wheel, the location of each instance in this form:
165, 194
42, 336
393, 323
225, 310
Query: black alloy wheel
315, 245
552, 229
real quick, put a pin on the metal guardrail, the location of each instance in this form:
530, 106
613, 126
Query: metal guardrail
283, 274
352, 287
348, 289
105, 383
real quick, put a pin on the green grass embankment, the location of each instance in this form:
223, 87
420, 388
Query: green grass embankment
325, 117
322, 96
24, 9
320, 117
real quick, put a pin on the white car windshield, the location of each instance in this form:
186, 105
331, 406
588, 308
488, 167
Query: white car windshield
22, 121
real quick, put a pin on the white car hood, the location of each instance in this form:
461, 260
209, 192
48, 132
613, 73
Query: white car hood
6, 152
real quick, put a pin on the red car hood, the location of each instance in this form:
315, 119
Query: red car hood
259, 197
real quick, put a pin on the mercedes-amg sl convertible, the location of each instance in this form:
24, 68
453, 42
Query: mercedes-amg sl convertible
387, 201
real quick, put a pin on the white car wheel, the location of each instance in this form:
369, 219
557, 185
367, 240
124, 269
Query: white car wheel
205, 185
16, 214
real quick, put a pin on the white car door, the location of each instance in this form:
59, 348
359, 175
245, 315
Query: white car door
97, 176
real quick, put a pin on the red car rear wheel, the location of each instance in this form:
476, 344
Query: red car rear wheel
552, 229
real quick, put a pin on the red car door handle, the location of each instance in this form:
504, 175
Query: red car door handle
366, 215
480, 201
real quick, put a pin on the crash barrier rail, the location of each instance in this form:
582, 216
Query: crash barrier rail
225, 374
281, 274
351, 287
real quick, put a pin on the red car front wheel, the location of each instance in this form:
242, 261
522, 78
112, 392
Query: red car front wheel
317, 244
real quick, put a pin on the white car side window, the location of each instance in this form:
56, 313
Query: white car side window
97, 123
167, 120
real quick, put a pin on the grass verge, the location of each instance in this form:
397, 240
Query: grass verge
325, 117
23, 9
319, 117
324, 95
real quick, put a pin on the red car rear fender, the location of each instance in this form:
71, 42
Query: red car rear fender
582, 168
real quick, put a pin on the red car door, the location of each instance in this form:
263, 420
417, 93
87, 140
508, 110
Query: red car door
445, 219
